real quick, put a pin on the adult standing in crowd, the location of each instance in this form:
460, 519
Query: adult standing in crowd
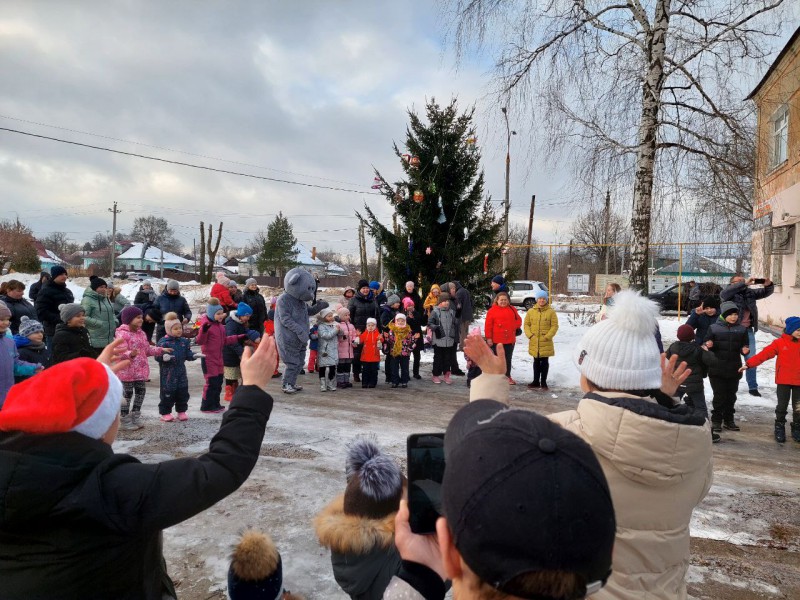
412, 292
464, 303
12, 292
450, 289
171, 300
694, 295
612, 289
431, 300
52, 295
497, 285
362, 307
44, 277
146, 296
101, 321
745, 294
253, 298
117, 299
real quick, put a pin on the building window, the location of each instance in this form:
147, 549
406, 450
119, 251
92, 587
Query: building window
780, 136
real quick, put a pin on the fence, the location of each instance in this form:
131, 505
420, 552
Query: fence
681, 269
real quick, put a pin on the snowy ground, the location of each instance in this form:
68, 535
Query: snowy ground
746, 534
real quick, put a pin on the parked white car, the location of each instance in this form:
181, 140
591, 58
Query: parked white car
522, 292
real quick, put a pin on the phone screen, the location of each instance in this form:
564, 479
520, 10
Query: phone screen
762, 281
425, 475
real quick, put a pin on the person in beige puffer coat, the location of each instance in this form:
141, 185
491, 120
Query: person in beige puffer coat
655, 453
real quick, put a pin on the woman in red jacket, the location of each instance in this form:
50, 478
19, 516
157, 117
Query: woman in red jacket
787, 376
502, 324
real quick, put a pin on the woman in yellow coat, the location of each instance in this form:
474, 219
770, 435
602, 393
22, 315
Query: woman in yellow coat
541, 325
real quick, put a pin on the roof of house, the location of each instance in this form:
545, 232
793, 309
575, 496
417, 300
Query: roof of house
45, 254
303, 258
775, 63
152, 254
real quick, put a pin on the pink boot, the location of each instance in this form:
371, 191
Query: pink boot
182, 416
447, 379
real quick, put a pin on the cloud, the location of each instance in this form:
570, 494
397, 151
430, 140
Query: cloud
314, 92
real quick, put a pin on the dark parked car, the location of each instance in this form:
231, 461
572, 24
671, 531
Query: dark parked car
668, 299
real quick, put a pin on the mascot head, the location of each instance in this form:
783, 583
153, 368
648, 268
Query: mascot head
299, 284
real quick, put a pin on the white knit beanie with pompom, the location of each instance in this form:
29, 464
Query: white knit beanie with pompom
620, 352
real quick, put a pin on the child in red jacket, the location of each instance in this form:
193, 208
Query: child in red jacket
787, 376
502, 325
371, 341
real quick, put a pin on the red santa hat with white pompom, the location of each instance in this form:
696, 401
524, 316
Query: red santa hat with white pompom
81, 395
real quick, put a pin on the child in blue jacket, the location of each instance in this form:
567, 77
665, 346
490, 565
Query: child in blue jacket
174, 382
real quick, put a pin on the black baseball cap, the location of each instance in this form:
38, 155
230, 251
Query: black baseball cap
522, 494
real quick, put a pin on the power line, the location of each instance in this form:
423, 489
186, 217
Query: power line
233, 162
193, 166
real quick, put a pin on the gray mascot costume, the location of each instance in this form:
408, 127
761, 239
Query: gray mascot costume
291, 323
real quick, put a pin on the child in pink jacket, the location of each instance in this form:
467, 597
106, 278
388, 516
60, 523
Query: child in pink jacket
134, 376
212, 339
347, 335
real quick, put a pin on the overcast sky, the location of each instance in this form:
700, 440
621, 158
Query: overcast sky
311, 91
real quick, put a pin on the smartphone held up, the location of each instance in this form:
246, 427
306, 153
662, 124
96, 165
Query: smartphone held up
425, 475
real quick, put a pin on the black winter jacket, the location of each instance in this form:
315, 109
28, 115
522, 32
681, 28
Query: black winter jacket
37, 286
39, 356
177, 304
232, 354
728, 341
145, 298
71, 342
464, 300
700, 324
19, 308
745, 298
697, 359
78, 521
362, 308
50, 297
256, 301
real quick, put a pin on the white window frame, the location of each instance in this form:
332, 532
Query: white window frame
780, 137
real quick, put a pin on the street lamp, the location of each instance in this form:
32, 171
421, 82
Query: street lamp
507, 202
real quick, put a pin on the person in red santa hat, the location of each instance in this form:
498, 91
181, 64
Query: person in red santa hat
78, 520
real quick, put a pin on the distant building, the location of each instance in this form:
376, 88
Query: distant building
47, 258
131, 260
776, 206
334, 270
248, 266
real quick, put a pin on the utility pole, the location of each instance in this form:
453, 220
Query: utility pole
607, 223
507, 202
530, 233
161, 276
114, 210
194, 255
569, 263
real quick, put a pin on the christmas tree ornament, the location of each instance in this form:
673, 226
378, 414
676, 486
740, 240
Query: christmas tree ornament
414, 162
472, 141
432, 187
406, 157
466, 233
485, 263
436, 160
376, 183
418, 196
428, 250
398, 197
441, 218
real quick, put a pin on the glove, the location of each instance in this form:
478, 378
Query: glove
166, 357
518, 331
206, 326
356, 341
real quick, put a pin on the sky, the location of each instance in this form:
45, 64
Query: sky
313, 92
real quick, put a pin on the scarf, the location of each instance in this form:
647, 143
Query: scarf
400, 334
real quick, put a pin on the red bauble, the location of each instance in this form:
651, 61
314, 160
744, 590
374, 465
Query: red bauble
418, 196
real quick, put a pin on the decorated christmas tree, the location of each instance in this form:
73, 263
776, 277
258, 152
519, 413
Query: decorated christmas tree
444, 227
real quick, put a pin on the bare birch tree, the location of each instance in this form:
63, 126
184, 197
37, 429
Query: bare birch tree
642, 87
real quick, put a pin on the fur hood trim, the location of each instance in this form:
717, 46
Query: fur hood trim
348, 534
